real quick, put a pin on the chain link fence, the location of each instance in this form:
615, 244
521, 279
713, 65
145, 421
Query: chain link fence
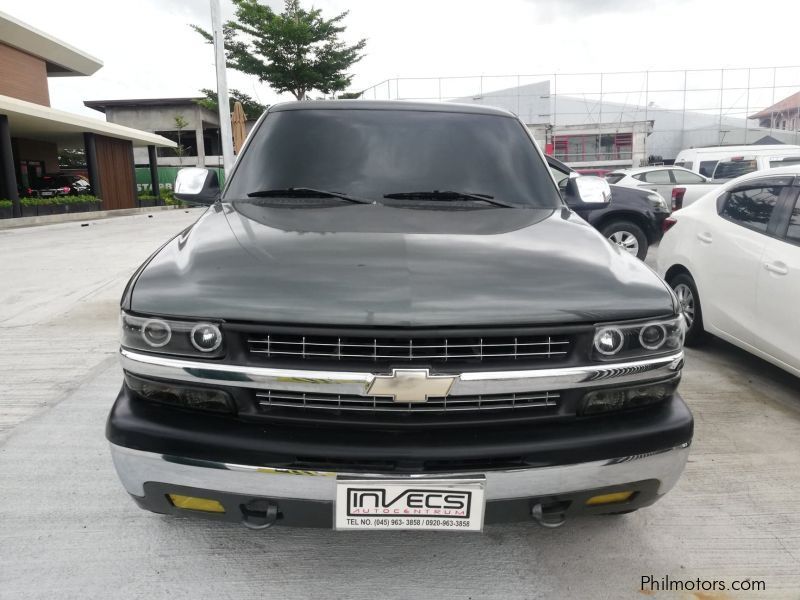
633, 118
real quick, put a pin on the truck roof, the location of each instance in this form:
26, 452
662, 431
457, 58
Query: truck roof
450, 107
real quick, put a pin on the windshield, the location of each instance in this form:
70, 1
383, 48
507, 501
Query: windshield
372, 153
734, 168
784, 162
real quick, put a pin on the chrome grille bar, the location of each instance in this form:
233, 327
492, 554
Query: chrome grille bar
424, 349
268, 399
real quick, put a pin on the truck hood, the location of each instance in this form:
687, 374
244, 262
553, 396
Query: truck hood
378, 265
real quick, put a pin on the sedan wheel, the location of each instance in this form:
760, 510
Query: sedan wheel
690, 307
686, 300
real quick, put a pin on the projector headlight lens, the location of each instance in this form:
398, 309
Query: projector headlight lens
608, 341
172, 336
652, 337
206, 337
156, 333
634, 340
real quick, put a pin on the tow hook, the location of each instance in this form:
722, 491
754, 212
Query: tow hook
259, 514
553, 516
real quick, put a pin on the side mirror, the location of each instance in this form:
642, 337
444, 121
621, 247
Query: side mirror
587, 192
197, 185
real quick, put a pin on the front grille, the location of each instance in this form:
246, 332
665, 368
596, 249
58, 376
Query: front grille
433, 351
344, 403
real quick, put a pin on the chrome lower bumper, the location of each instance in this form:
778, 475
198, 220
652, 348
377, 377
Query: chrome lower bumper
349, 382
135, 468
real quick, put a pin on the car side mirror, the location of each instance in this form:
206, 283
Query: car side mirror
587, 192
197, 185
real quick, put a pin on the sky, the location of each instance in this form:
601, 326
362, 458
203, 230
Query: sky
149, 50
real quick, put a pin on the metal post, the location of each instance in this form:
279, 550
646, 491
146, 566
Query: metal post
600, 122
646, 116
772, 114
555, 108
747, 110
153, 160
721, 95
683, 112
222, 88
91, 164
518, 94
8, 176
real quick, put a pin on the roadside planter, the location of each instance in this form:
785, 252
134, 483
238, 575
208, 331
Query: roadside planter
6, 209
37, 207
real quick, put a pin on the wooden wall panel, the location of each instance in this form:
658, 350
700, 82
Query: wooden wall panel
115, 171
23, 76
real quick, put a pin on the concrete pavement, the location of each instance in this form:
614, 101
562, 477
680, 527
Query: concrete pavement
68, 530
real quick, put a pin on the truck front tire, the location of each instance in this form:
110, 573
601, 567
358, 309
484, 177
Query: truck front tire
628, 236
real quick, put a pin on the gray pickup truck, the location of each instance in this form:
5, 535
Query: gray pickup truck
391, 319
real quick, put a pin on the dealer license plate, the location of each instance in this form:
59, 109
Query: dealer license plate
434, 504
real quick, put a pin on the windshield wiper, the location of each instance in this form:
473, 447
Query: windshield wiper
306, 192
448, 195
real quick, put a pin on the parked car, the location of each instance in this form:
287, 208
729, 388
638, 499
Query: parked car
736, 166
396, 323
56, 185
680, 185
632, 220
704, 160
733, 259
597, 172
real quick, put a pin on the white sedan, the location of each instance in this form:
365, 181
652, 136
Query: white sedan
681, 185
733, 259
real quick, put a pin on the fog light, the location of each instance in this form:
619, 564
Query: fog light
607, 400
192, 503
612, 498
206, 337
180, 396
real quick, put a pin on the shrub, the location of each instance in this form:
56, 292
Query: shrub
6, 204
80, 199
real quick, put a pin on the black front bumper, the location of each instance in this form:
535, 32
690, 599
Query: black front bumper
149, 427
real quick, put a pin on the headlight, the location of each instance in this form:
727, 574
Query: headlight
623, 340
170, 336
658, 202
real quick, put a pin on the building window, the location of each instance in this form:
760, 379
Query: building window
585, 148
186, 140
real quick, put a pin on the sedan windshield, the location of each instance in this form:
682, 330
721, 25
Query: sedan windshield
377, 154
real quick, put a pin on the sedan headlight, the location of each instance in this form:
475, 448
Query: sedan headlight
171, 336
625, 340
658, 202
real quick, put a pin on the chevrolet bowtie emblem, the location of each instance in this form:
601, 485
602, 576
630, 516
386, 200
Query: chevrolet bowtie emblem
411, 385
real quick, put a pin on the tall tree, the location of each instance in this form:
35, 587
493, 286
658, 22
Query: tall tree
252, 108
295, 51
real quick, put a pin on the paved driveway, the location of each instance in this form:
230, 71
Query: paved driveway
67, 529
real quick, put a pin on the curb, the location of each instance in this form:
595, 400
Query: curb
81, 216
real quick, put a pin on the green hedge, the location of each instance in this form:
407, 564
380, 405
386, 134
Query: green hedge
57, 200
6, 204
